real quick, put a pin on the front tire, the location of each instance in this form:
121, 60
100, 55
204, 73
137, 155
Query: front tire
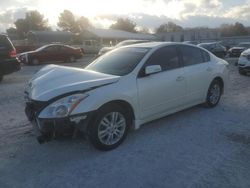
109, 128
214, 94
1, 78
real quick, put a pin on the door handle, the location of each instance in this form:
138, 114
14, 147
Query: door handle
209, 69
180, 78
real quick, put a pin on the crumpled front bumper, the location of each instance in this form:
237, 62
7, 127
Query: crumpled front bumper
55, 127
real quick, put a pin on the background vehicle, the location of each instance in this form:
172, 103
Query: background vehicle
120, 44
244, 62
133, 84
52, 52
89, 46
216, 48
8, 61
237, 50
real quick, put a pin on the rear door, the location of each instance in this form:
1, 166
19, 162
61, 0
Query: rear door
51, 53
163, 91
198, 71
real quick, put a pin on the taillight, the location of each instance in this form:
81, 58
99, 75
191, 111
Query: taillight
12, 53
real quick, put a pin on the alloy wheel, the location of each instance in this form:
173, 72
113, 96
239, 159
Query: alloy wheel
111, 128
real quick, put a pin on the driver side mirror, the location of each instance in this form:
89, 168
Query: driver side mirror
152, 69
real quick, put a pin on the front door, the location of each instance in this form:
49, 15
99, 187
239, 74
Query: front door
163, 91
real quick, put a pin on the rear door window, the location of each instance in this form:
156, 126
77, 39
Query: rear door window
5, 44
191, 55
206, 56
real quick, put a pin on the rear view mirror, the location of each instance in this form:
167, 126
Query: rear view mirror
152, 69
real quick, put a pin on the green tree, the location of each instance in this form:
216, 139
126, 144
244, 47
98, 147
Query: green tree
237, 29
33, 21
68, 22
168, 27
83, 23
143, 30
125, 25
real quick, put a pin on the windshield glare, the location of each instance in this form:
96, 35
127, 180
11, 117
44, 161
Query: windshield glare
119, 62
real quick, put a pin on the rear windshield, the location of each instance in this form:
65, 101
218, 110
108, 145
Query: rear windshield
118, 62
5, 43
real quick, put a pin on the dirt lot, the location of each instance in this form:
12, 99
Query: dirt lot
197, 147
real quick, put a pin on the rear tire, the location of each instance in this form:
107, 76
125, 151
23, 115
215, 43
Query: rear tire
214, 94
109, 127
71, 59
1, 78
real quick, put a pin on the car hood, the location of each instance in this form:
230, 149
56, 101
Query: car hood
246, 52
53, 81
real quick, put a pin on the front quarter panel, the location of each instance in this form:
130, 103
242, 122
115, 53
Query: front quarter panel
124, 90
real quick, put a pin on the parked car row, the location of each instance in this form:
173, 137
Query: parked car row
221, 51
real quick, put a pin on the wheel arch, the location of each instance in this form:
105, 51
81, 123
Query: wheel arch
220, 80
124, 104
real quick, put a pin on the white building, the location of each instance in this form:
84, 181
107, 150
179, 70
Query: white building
113, 36
196, 34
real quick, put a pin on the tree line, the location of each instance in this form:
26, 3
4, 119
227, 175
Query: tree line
67, 21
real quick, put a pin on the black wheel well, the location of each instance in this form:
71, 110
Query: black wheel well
220, 80
124, 104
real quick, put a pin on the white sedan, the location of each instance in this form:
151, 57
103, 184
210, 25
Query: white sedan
123, 89
244, 62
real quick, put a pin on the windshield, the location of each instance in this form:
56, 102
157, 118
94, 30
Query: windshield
118, 62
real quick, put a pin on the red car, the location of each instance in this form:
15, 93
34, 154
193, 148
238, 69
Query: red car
49, 53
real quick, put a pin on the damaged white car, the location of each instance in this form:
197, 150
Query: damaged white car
123, 89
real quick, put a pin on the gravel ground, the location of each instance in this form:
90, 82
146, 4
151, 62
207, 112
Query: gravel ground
198, 147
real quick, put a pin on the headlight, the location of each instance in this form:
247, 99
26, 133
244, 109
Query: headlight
63, 107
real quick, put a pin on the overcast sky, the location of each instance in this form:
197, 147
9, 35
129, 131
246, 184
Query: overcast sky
146, 13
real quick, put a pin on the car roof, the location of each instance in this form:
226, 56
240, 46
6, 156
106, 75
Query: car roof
158, 44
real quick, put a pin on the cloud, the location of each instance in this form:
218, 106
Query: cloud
8, 17
153, 21
239, 12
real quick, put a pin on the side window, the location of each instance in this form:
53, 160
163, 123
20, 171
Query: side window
191, 55
167, 57
4, 43
51, 49
206, 56
62, 48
